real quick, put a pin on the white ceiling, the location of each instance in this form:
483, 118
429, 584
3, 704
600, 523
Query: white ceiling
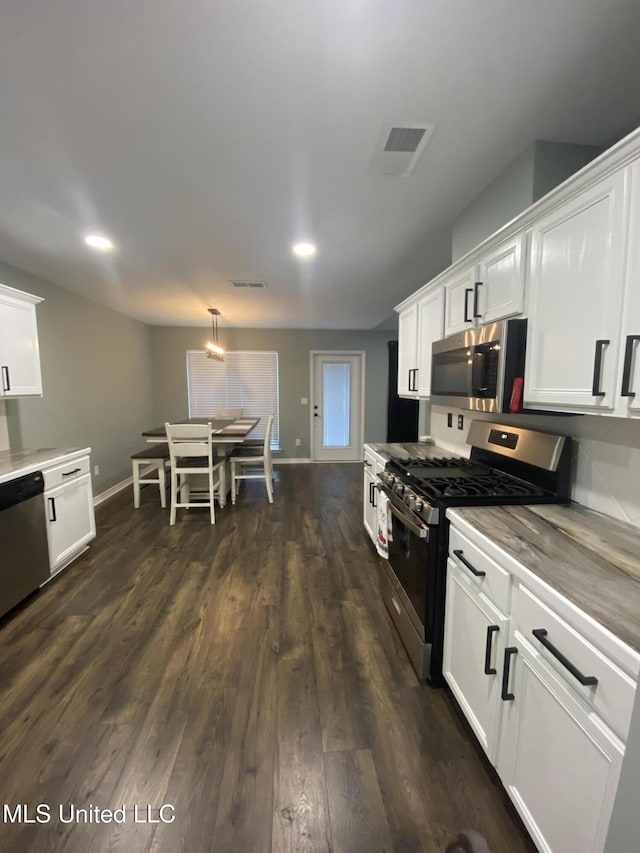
205, 136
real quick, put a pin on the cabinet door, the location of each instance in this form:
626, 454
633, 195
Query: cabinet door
500, 286
19, 353
408, 352
559, 764
474, 641
70, 520
369, 498
628, 385
459, 302
575, 301
430, 329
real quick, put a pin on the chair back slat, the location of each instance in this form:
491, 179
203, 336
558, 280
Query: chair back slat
229, 413
189, 440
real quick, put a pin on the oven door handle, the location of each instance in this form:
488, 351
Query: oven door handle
419, 530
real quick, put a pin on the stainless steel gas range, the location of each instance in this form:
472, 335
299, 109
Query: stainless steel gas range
507, 465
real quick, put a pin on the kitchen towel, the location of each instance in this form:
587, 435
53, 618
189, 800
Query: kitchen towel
383, 531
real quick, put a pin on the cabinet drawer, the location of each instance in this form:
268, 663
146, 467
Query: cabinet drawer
66, 472
495, 583
373, 462
612, 696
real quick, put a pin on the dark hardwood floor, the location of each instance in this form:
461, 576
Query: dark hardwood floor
248, 675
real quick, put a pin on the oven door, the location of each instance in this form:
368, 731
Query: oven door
410, 559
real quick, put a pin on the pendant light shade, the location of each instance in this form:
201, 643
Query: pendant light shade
214, 350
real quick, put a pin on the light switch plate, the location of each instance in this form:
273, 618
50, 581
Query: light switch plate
304, 401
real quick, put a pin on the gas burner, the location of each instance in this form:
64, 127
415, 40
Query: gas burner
433, 462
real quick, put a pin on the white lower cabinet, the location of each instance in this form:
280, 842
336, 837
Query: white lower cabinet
475, 637
69, 511
373, 465
558, 762
551, 710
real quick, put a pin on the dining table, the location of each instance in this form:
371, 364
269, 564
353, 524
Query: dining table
224, 432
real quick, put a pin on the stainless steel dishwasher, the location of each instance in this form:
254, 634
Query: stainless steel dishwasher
24, 564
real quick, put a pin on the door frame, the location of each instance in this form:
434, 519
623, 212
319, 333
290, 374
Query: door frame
312, 391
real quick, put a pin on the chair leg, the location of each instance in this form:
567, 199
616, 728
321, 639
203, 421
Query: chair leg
136, 485
163, 485
268, 483
233, 482
212, 507
174, 497
222, 484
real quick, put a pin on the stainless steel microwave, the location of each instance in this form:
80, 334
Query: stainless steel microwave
481, 369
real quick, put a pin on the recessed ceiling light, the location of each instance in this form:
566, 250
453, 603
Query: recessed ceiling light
304, 250
99, 242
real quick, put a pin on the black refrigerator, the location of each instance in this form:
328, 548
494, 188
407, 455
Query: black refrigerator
402, 415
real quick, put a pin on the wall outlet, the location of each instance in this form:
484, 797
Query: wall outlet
449, 419
304, 401
96, 470
460, 421
298, 442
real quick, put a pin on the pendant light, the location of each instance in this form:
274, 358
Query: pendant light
214, 350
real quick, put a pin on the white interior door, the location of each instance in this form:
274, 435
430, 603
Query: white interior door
336, 406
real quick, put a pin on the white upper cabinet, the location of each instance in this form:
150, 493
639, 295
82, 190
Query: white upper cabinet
459, 292
499, 290
571, 264
430, 329
419, 325
575, 300
19, 353
489, 291
408, 351
628, 385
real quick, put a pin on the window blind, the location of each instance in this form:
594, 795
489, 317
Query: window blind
247, 380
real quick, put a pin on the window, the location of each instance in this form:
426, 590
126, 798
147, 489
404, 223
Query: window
247, 380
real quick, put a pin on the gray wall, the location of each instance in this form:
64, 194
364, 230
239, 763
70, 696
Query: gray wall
555, 162
540, 168
169, 346
97, 380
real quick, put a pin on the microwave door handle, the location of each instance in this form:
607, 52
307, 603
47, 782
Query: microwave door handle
478, 383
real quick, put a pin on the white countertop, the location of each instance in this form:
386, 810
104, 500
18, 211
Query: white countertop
16, 463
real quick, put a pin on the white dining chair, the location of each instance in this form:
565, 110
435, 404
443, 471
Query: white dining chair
229, 413
253, 463
151, 460
191, 452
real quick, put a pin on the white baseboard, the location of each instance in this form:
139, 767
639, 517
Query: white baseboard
290, 461
109, 493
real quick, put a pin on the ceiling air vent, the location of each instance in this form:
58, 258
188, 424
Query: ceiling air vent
253, 284
399, 147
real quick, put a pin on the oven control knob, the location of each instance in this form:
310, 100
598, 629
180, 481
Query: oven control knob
398, 488
418, 506
408, 498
